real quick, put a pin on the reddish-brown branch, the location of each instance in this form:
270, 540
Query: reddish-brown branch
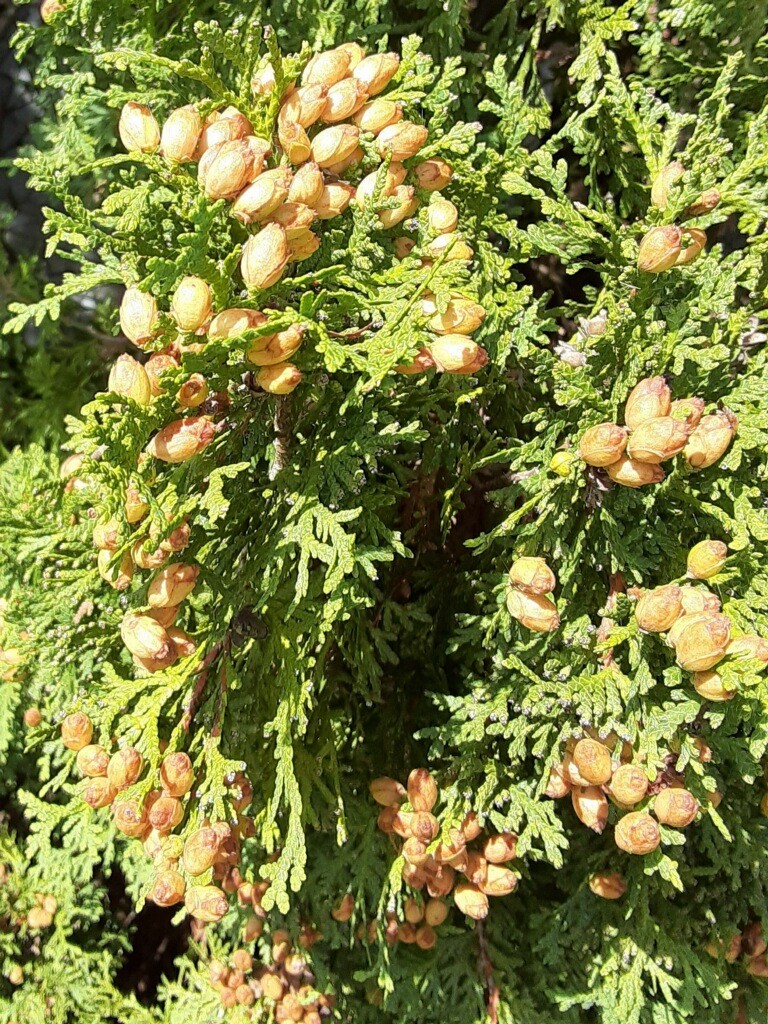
202, 678
486, 969
617, 586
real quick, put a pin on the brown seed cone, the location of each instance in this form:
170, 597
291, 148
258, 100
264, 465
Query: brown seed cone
345, 909
414, 876
343, 99
675, 806
230, 323
608, 885
334, 144
710, 686
265, 257
426, 937
637, 833
176, 774
628, 785
276, 348
649, 399
307, 185
406, 933
124, 768
138, 129
591, 807
76, 731
559, 784
593, 761
499, 881
130, 818
751, 646
758, 967
422, 790
167, 888
424, 826
532, 576
658, 439
415, 852
688, 409
327, 68
701, 642
694, 240
452, 850
476, 868
385, 820
304, 106
450, 247
98, 792
200, 851
378, 114
172, 585
401, 824
435, 912
711, 439
145, 637
658, 609
629, 473
470, 826
663, 181
206, 903
500, 848
165, 813
471, 901
659, 249
33, 718
413, 910
92, 760
440, 879
753, 941
138, 316
706, 559
376, 72
533, 611
180, 134
603, 444
699, 599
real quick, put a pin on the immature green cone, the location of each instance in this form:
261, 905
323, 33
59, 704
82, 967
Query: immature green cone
701, 643
659, 249
630, 473
676, 807
200, 851
280, 379
182, 439
711, 439
177, 774
265, 257
628, 785
648, 400
402, 140
76, 731
637, 833
608, 885
167, 888
138, 316
180, 134
532, 575
376, 72
706, 559
603, 444
129, 379
124, 768
172, 585
562, 463
334, 144
138, 129
664, 181
191, 303
658, 439
658, 609
145, 637
533, 611
378, 114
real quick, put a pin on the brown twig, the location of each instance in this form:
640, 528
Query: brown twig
487, 972
202, 678
617, 586
282, 424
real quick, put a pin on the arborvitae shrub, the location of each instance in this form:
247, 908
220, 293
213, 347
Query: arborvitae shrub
397, 617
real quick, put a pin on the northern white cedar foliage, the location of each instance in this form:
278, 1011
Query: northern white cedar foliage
354, 537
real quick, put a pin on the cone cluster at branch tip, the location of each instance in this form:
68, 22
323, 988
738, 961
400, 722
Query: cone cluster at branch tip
285, 189
530, 581
656, 430
696, 628
435, 856
285, 981
666, 246
597, 770
178, 862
